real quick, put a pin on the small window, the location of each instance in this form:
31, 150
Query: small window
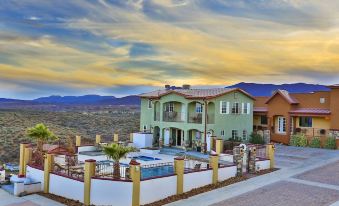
145, 128
305, 121
222, 133
263, 120
244, 134
198, 108
244, 108
234, 134
235, 108
322, 100
224, 107
149, 104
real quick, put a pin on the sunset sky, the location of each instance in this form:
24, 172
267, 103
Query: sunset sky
121, 47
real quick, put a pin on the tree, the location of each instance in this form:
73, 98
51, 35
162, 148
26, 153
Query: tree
117, 152
41, 134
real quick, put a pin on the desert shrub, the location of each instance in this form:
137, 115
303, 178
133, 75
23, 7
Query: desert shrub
302, 141
315, 142
295, 139
330, 143
256, 139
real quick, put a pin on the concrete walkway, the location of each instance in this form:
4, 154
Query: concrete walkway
7, 199
297, 166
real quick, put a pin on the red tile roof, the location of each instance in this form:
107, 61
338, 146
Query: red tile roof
260, 109
316, 111
285, 95
194, 93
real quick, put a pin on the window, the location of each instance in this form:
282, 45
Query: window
305, 121
198, 108
170, 107
145, 128
149, 104
234, 134
244, 134
235, 108
224, 107
222, 133
281, 125
263, 120
322, 100
244, 109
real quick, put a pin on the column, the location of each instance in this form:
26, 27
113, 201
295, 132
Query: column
22, 165
252, 159
48, 167
115, 138
214, 162
98, 139
27, 158
270, 149
78, 141
89, 173
135, 174
179, 165
238, 153
219, 147
131, 137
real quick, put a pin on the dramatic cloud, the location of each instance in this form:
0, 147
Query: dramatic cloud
102, 46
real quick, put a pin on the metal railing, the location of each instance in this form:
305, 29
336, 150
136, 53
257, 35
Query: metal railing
105, 169
261, 151
173, 116
195, 118
195, 166
68, 166
313, 132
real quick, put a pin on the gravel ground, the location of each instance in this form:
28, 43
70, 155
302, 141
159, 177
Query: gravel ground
288, 194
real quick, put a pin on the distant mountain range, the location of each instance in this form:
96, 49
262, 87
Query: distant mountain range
267, 89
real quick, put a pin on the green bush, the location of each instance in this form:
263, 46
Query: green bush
256, 139
315, 142
302, 141
295, 140
330, 143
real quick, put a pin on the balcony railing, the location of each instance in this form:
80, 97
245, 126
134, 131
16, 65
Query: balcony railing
196, 118
173, 116
313, 132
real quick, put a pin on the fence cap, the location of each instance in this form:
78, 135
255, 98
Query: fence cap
90, 160
134, 162
214, 155
179, 158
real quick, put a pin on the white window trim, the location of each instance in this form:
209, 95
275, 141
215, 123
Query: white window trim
248, 108
227, 107
242, 108
222, 132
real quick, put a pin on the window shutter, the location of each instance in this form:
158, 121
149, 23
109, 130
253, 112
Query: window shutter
248, 108
220, 107
243, 108
228, 108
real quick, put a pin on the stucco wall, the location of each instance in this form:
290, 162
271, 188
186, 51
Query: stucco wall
66, 187
197, 179
226, 173
36, 175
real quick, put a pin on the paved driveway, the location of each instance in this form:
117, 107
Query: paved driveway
31, 200
307, 177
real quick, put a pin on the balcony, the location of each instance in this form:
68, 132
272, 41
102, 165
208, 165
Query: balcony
195, 118
173, 116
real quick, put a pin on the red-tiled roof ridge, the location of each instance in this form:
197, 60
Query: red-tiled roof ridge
310, 111
285, 94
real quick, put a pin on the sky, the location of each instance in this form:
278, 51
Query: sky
121, 47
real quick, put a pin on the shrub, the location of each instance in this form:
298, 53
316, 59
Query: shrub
256, 139
295, 139
302, 141
315, 142
330, 143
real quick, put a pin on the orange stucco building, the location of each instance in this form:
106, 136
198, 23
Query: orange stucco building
314, 114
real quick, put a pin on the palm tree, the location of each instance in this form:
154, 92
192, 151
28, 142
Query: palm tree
116, 152
41, 134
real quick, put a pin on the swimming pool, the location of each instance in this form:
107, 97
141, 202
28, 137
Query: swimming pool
145, 158
156, 171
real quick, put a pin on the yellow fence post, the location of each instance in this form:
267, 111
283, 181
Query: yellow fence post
78, 141
48, 167
28, 157
214, 162
98, 139
270, 149
22, 165
115, 138
179, 164
89, 173
219, 147
135, 175
131, 137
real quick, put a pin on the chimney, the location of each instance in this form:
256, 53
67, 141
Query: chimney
186, 86
167, 86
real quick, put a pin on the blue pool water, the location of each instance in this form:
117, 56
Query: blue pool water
156, 171
145, 158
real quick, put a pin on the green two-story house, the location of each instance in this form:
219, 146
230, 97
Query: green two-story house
186, 117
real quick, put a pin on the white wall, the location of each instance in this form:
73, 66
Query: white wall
141, 140
157, 189
106, 192
226, 173
65, 187
86, 148
197, 179
262, 165
35, 175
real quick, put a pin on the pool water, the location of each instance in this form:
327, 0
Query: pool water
156, 171
145, 158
